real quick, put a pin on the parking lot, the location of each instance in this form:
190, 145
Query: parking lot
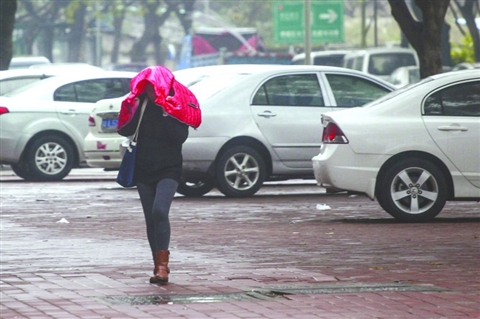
77, 249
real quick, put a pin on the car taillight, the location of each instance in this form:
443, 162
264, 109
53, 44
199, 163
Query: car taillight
332, 134
3, 110
91, 121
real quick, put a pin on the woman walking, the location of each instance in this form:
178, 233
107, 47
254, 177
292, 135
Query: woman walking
163, 109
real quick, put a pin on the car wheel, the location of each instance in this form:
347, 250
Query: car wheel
21, 170
49, 158
194, 187
412, 190
240, 172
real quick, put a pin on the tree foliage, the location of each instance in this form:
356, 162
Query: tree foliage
470, 10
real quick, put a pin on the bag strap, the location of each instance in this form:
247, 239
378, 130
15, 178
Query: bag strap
135, 136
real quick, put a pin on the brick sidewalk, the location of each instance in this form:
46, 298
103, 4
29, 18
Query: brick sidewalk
77, 249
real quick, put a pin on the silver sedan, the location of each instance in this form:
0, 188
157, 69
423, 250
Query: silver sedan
263, 122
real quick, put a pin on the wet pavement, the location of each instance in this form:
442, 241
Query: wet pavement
77, 249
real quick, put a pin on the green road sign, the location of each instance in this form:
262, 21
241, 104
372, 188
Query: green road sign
326, 22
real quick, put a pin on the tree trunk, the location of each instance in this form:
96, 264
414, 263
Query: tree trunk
7, 16
77, 33
117, 36
151, 34
425, 36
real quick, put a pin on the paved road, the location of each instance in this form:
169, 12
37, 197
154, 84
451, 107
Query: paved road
77, 249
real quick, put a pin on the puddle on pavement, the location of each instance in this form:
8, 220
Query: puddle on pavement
266, 294
163, 299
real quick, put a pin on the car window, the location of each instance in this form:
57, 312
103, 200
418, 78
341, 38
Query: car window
457, 100
290, 90
352, 91
91, 91
386, 63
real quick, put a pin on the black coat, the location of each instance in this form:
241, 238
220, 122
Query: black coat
159, 144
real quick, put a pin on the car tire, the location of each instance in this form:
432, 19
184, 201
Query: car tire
240, 172
49, 158
412, 190
194, 187
21, 170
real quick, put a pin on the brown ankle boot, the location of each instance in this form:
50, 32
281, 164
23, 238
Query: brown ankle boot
160, 273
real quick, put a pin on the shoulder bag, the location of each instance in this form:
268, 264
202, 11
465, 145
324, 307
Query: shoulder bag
126, 172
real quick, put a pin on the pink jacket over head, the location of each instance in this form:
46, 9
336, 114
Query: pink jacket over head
183, 105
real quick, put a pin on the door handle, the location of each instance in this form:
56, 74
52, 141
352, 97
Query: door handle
453, 128
69, 112
267, 114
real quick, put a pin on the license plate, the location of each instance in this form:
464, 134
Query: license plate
109, 124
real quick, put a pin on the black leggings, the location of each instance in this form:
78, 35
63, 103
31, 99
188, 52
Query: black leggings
156, 200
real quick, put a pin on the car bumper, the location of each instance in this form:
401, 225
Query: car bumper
103, 152
109, 160
337, 166
11, 148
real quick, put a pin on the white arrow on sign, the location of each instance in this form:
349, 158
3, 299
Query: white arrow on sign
331, 16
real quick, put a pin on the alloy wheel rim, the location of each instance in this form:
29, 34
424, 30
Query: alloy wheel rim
51, 158
241, 171
414, 190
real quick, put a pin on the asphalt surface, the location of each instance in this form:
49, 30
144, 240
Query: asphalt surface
77, 249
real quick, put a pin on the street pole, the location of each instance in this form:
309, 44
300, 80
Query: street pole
308, 44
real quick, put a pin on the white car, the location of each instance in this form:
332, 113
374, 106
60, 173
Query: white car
380, 61
412, 150
102, 142
43, 124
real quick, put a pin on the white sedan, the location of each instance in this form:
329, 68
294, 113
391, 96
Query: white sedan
412, 150
43, 124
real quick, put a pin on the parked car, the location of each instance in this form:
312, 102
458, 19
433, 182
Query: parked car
44, 124
412, 150
466, 66
262, 122
327, 57
380, 62
24, 62
101, 145
13, 79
